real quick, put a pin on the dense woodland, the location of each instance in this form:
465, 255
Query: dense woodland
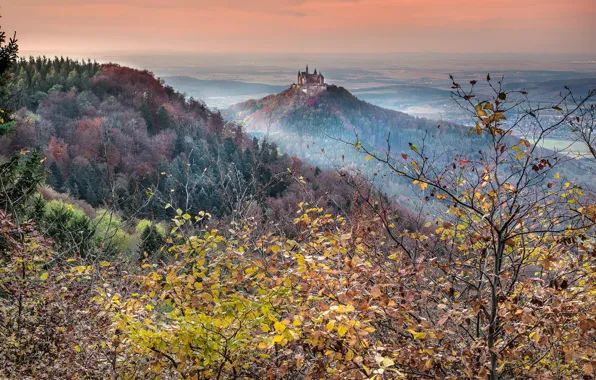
143, 237
116, 139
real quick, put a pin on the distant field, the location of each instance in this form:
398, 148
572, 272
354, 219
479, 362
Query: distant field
572, 148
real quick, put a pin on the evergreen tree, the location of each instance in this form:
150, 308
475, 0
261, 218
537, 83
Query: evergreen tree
19, 177
8, 56
151, 241
56, 180
146, 112
163, 118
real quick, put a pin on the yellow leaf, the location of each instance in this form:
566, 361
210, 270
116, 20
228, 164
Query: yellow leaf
342, 330
279, 327
274, 249
104, 264
77, 348
44, 276
265, 328
278, 338
330, 325
368, 157
417, 335
149, 307
350, 355
557, 176
479, 111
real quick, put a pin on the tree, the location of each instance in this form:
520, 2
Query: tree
8, 56
163, 118
513, 243
56, 180
583, 126
19, 178
151, 241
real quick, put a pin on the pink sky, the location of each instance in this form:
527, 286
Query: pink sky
313, 26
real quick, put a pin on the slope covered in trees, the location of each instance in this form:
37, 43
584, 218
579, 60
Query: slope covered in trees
117, 136
336, 113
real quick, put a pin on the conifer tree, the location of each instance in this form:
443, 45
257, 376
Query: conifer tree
8, 56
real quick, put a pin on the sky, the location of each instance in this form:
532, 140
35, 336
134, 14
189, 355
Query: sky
301, 26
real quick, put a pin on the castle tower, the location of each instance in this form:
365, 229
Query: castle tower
311, 84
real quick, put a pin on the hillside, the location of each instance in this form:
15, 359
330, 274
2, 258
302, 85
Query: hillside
336, 113
311, 128
335, 110
119, 138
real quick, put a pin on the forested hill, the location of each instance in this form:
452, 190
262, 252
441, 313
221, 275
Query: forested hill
334, 111
312, 127
293, 119
323, 128
115, 136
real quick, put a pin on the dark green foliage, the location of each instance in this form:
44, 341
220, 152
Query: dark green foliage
69, 227
163, 118
19, 178
8, 56
8, 51
147, 116
55, 177
34, 78
151, 241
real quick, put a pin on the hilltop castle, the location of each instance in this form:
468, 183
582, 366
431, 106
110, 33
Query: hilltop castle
310, 83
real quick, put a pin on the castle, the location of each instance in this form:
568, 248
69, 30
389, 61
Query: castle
310, 83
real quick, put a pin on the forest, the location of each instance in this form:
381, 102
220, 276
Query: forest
116, 140
143, 236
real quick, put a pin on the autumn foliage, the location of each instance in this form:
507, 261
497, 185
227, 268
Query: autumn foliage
288, 271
